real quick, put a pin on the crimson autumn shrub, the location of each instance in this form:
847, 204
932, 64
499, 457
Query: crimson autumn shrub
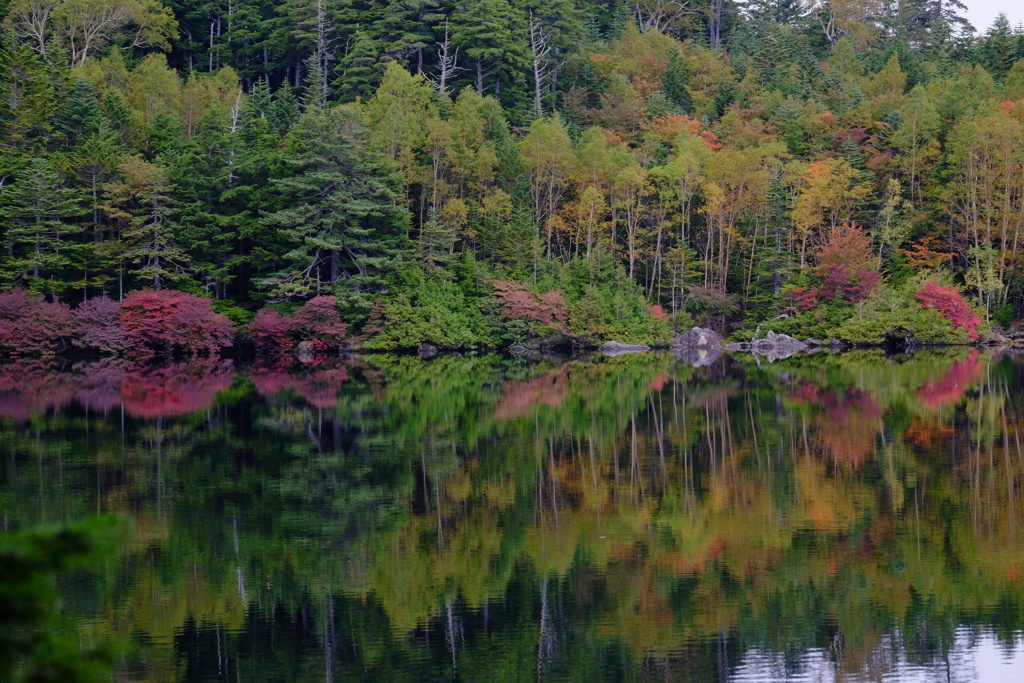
319, 319
658, 312
271, 331
30, 325
518, 302
804, 299
951, 305
167, 319
96, 326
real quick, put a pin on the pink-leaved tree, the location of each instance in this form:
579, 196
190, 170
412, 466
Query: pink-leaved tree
96, 326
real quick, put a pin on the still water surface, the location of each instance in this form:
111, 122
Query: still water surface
825, 518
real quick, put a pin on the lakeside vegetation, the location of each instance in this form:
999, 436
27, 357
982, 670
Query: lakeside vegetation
493, 173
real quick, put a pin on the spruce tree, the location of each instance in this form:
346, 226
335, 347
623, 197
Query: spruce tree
492, 34
360, 70
80, 113
341, 216
675, 81
999, 50
36, 210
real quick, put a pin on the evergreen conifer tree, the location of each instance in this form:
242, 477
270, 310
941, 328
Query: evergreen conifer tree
342, 215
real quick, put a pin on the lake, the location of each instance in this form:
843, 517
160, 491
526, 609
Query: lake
484, 518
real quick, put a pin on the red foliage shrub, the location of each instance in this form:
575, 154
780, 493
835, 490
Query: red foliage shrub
951, 305
835, 279
517, 302
166, 319
30, 325
861, 284
96, 326
319, 319
271, 331
658, 312
850, 286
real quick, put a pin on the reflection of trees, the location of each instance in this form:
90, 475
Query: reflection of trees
319, 387
627, 515
845, 422
31, 386
176, 388
950, 387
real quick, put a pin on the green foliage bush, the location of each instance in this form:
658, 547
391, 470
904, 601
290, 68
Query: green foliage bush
435, 312
606, 305
890, 308
612, 314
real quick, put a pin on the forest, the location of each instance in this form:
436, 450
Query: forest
498, 172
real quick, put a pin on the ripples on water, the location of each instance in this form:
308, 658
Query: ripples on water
846, 518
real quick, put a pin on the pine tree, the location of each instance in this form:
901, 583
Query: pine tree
1000, 47
283, 111
406, 29
149, 241
781, 12
138, 206
28, 104
436, 243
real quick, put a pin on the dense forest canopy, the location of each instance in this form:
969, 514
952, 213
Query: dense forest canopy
489, 171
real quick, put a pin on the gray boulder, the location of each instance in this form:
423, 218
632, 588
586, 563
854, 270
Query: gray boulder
698, 337
698, 347
427, 350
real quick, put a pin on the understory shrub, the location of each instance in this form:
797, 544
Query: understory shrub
436, 312
622, 315
530, 315
887, 310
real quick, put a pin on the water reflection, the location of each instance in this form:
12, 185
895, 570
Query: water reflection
824, 518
